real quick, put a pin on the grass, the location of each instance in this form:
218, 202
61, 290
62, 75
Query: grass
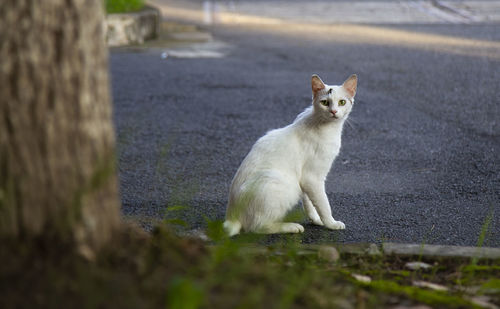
123, 6
435, 298
162, 270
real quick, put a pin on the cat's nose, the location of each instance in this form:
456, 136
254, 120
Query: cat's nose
333, 112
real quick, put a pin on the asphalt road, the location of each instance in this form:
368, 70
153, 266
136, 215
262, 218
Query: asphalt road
420, 158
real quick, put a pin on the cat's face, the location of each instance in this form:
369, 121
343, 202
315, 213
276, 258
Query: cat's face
333, 103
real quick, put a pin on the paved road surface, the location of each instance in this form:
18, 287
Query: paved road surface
420, 159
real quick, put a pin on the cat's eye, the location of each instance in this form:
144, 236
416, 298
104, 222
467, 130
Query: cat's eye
341, 102
324, 102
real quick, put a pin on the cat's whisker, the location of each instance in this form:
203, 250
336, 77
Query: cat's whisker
349, 122
352, 119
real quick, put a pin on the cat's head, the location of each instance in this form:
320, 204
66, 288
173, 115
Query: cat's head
333, 103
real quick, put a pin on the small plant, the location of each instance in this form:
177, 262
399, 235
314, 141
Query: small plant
123, 6
183, 293
484, 232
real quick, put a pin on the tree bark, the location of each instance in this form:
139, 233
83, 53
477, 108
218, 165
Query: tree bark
57, 165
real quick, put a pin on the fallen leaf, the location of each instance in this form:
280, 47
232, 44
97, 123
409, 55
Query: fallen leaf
362, 278
417, 265
430, 285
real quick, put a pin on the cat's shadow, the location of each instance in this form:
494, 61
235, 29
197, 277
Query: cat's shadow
312, 234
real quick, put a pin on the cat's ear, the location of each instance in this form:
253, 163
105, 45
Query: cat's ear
316, 84
351, 84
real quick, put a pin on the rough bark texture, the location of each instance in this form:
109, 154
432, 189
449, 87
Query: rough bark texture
57, 167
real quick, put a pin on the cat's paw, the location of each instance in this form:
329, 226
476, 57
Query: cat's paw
293, 228
336, 225
280, 227
317, 222
315, 218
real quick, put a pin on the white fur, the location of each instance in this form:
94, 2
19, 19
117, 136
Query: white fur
290, 164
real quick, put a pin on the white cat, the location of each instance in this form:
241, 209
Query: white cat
290, 164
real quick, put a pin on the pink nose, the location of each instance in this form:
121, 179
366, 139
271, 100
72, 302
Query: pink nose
333, 112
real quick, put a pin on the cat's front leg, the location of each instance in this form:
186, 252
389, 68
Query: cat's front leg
310, 210
316, 192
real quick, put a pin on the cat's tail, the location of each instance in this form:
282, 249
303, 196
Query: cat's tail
232, 227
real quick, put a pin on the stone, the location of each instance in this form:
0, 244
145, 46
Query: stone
196, 233
483, 301
373, 250
328, 253
417, 265
132, 28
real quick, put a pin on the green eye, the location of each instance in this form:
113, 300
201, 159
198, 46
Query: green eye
324, 102
341, 102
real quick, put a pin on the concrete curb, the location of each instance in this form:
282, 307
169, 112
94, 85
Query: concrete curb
430, 251
133, 28
441, 251
435, 251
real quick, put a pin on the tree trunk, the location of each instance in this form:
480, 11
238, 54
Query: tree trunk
57, 165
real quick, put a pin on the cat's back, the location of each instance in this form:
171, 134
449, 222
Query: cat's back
276, 151
274, 145
285, 139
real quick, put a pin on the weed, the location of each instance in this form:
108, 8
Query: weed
184, 293
295, 215
484, 231
481, 268
491, 286
123, 6
420, 295
181, 190
172, 217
